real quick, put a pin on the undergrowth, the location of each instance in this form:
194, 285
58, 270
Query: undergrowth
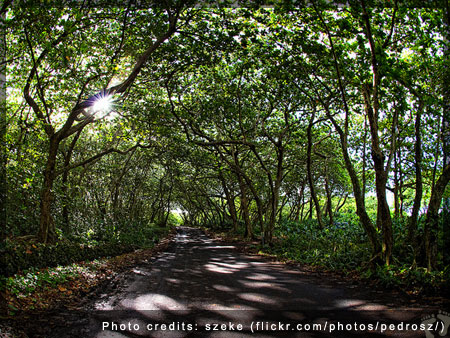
40, 287
19, 256
344, 247
24, 284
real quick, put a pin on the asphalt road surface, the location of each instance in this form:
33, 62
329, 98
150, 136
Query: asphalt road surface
201, 287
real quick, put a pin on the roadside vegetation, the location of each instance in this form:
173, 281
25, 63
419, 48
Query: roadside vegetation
343, 248
46, 288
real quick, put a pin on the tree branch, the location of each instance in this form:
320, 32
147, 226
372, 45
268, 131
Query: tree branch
99, 155
388, 38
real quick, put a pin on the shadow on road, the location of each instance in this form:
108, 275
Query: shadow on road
204, 288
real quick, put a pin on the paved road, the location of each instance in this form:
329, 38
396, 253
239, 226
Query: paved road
200, 287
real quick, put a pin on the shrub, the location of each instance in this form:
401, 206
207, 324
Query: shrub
342, 246
17, 257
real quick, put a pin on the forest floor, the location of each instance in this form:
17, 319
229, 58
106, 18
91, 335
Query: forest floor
196, 286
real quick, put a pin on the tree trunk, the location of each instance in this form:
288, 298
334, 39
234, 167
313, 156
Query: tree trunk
343, 135
412, 226
329, 199
310, 175
66, 200
396, 186
366, 222
372, 104
384, 221
260, 214
248, 183
364, 165
233, 213
169, 198
243, 192
300, 203
244, 206
47, 231
275, 194
230, 202
65, 179
400, 185
303, 205
339, 204
437, 151
431, 222
280, 211
274, 190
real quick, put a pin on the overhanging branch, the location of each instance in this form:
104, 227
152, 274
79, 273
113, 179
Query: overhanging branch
100, 155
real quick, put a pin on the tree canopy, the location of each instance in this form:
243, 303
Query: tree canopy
252, 119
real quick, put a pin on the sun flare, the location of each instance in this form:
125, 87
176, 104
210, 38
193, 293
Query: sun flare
103, 104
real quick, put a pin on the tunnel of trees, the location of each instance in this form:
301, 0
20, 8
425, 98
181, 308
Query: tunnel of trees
321, 131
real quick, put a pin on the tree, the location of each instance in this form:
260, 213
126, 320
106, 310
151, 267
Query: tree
45, 48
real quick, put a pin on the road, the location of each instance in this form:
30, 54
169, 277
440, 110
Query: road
200, 287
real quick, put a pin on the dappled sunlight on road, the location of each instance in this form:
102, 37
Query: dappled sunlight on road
258, 298
225, 267
241, 316
219, 269
260, 277
204, 281
358, 304
224, 247
236, 265
258, 285
224, 288
154, 302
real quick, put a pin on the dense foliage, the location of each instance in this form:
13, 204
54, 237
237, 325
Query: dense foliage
319, 130
21, 256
